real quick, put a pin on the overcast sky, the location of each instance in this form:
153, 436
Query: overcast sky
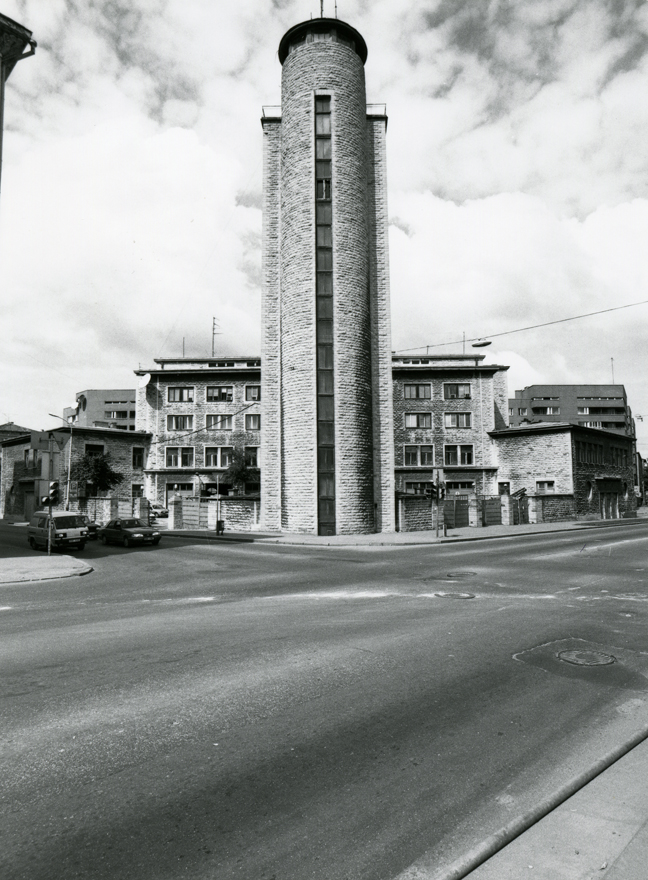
131, 190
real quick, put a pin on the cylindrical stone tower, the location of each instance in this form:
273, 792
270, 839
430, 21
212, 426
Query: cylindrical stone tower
327, 454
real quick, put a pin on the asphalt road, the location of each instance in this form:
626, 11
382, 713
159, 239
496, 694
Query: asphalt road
282, 713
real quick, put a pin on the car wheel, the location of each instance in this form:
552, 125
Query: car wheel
156, 540
33, 544
126, 542
104, 539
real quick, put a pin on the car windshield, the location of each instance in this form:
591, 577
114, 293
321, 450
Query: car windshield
131, 524
68, 522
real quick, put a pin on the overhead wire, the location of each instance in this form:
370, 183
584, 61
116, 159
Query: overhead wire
522, 329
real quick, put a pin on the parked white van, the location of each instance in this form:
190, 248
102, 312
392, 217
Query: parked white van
68, 530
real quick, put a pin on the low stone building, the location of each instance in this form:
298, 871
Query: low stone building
30, 463
568, 471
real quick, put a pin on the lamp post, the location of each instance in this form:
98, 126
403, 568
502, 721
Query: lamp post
69, 470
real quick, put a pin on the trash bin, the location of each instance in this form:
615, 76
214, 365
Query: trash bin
220, 526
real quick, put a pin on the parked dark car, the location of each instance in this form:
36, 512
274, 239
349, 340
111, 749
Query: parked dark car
91, 526
128, 532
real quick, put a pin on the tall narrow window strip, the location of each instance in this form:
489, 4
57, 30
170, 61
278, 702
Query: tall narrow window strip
323, 197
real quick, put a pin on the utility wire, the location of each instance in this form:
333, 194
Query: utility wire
521, 329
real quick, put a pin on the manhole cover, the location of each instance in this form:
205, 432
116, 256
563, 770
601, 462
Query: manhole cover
461, 574
586, 658
446, 595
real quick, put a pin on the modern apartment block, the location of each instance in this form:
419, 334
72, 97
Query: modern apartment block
327, 448
104, 408
590, 406
444, 407
198, 411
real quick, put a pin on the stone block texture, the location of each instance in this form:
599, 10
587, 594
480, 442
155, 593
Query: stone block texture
361, 334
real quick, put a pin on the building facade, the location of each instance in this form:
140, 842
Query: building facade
444, 409
327, 448
28, 466
578, 472
198, 411
104, 408
590, 406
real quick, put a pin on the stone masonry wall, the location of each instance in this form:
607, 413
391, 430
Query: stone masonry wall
524, 460
329, 68
380, 309
271, 447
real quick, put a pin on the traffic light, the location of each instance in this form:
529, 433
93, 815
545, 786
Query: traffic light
431, 491
53, 497
441, 491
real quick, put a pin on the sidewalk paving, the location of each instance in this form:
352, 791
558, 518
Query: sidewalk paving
23, 569
601, 831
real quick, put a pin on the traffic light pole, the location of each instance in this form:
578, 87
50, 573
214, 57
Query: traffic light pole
49, 495
437, 504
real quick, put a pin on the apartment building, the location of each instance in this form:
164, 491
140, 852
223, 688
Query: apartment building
590, 406
198, 411
444, 409
103, 408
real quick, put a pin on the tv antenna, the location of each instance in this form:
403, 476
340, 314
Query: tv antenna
216, 331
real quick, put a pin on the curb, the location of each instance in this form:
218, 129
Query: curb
497, 841
87, 569
458, 538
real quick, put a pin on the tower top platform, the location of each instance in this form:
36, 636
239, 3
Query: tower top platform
316, 29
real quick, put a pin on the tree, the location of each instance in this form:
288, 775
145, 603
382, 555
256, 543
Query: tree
96, 472
242, 469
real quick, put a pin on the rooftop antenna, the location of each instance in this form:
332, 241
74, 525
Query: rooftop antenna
612, 364
216, 331
183, 339
321, 8
336, 8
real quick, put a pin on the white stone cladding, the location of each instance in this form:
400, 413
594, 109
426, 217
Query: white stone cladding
382, 395
361, 319
271, 450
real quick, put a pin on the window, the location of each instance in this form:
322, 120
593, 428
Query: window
419, 392
510, 410
94, 449
251, 456
220, 393
137, 490
180, 395
418, 456
419, 488
116, 414
546, 410
138, 457
131, 414
504, 488
454, 391
458, 420
522, 410
253, 392
418, 420
218, 456
460, 487
544, 487
219, 422
179, 456
252, 422
411, 456
179, 423
583, 410
458, 455
591, 424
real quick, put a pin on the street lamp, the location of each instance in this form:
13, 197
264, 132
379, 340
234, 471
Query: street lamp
67, 486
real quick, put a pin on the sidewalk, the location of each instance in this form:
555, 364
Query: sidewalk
601, 831
22, 569
384, 539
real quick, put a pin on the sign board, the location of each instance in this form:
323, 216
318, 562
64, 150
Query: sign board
41, 440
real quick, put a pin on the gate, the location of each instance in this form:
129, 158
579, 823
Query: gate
491, 510
520, 507
455, 512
